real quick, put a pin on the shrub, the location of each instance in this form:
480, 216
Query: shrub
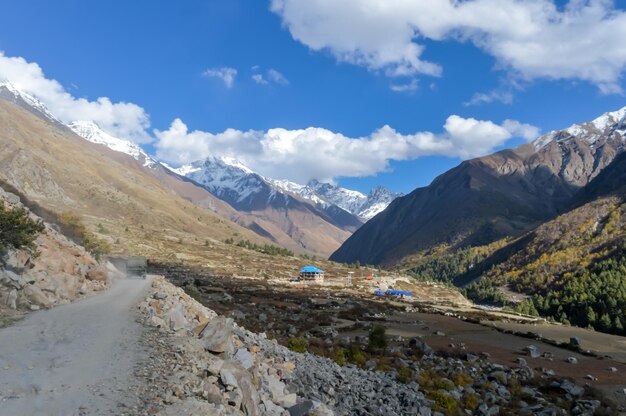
377, 338
404, 375
297, 344
17, 229
340, 356
355, 355
443, 400
192, 290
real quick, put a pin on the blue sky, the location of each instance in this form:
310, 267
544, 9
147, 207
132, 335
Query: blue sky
156, 54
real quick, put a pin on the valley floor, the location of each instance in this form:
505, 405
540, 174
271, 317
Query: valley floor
75, 359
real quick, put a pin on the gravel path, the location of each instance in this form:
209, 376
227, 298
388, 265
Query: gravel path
75, 359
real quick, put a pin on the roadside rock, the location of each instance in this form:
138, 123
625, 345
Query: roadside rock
217, 336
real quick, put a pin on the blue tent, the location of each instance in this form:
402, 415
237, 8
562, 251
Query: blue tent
311, 269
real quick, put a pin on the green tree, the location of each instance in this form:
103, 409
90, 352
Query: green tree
17, 229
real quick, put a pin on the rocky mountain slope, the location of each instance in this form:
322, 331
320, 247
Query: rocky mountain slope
55, 271
492, 197
573, 265
113, 191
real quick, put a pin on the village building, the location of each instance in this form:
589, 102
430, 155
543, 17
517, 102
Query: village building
312, 273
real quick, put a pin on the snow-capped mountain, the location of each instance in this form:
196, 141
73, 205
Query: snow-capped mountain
11, 93
228, 179
354, 202
90, 131
604, 127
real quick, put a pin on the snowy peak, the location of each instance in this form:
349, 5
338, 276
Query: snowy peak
225, 177
91, 132
11, 93
606, 126
357, 203
233, 181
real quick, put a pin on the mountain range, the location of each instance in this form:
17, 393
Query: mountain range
492, 197
309, 219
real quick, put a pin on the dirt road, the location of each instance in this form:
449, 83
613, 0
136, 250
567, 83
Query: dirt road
75, 359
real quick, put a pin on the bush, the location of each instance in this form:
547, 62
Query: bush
377, 338
297, 344
443, 401
17, 229
192, 290
404, 375
340, 356
355, 355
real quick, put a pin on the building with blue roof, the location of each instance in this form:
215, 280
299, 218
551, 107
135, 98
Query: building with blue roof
312, 273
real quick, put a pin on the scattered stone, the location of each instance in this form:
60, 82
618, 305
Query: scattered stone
572, 360
532, 351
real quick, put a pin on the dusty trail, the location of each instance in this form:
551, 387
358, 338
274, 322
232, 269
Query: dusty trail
75, 359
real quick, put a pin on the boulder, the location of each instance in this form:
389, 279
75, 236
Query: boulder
217, 336
420, 346
36, 296
97, 275
532, 351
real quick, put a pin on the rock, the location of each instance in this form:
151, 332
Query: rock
612, 369
234, 375
521, 361
590, 377
274, 387
572, 360
176, 318
160, 296
217, 336
370, 365
575, 342
532, 351
97, 275
244, 358
301, 409
288, 400
156, 322
11, 279
270, 409
228, 378
11, 299
572, 389
36, 296
471, 358
310, 408
440, 333
420, 346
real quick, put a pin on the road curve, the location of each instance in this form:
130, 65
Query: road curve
74, 359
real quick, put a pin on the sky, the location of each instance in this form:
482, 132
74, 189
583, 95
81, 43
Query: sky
359, 92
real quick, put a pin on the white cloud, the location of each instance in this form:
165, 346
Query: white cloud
408, 87
258, 78
226, 74
271, 76
301, 155
121, 119
277, 77
532, 39
505, 97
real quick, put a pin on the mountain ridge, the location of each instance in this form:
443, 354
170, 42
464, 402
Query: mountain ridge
488, 198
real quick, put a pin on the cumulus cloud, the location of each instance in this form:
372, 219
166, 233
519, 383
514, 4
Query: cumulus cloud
582, 40
226, 74
121, 119
317, 153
